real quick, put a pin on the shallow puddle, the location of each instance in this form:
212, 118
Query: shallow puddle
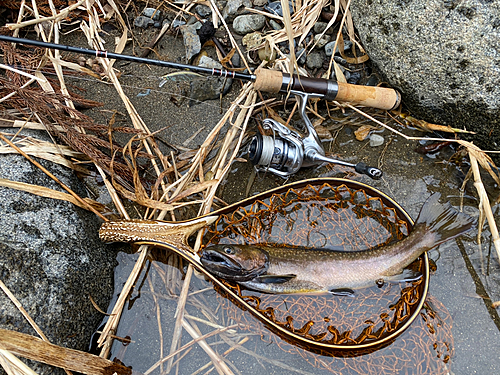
457, 331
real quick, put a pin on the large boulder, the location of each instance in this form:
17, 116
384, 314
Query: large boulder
51, 259
444, 56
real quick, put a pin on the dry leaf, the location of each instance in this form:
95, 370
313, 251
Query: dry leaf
363, 132
323, 133
427, 126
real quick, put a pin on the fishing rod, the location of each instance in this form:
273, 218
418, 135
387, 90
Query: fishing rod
266, 80
287, 152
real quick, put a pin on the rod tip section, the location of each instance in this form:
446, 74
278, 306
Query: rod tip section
268, 80
375, 97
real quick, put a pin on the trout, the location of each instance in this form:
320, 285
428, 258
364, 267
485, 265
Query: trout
303, 270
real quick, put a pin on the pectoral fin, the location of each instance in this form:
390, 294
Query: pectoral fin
345, 292
274, 279
408, 275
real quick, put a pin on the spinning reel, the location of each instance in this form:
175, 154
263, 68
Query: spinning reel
286, 152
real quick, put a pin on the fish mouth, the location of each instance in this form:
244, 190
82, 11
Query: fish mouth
214, 258
225, 267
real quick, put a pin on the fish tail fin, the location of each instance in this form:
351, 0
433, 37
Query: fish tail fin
442, 220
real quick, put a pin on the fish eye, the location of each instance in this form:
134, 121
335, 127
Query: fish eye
228, 250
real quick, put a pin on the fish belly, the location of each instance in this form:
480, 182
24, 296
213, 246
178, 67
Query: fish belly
349, 272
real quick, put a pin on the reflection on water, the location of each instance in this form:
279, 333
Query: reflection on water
424, 348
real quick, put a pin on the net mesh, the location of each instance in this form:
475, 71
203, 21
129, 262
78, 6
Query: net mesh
343, 219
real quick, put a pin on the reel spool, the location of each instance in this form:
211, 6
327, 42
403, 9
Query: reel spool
286, 152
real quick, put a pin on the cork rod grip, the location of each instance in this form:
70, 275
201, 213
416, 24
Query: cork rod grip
268, 80
370, 96
377, 97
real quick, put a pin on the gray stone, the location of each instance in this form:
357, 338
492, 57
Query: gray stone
301, 56
259, 3
340, 60
321, 41
51, 259
329, 47
314, 60
203, 10
208, 88
345, 72
376, 140
236, 60
276, 8
191, 39
153, 13
444, 56
247, 3
143, 22
177, 23
231, 9
275, 25
319, 27
353, 77
248, 23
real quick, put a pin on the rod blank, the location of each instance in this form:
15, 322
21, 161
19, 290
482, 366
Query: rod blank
119, 56
264, 79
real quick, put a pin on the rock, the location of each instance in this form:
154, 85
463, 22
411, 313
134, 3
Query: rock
177, 23
208, 88
319, 27
231, 8
152, 13
345, 72
259, 3
266, 54
248, 23
203, 10
352, 77
51, 259
236, 60
191, 39
275, 25
444, 57
321, 41
376, 140
252, 40
143, 22
340, 60
275, 8
329, 47
314, 60
301, 56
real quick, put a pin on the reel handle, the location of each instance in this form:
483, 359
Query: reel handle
372, 172
377, 97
